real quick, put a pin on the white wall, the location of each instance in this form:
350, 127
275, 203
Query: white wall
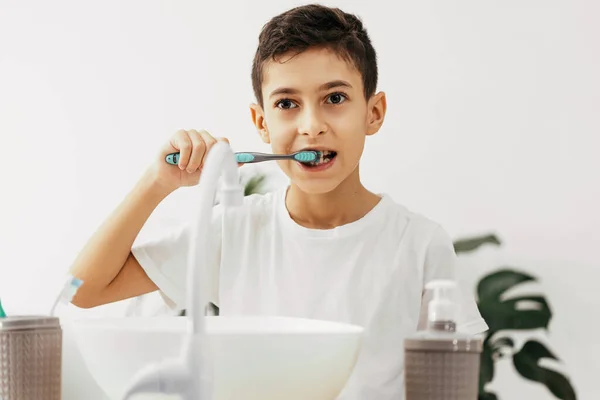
492, 125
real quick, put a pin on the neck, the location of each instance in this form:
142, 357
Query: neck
347, 203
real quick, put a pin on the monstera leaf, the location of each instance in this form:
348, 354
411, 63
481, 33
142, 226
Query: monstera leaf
513, 313
493, 286
472, 244
516, 313
527, 363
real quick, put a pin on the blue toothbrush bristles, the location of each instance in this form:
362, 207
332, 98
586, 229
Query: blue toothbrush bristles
307, 156
244, 157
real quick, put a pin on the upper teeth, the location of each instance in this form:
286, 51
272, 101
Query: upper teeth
324, 156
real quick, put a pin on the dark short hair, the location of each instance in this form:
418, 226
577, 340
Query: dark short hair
314, 26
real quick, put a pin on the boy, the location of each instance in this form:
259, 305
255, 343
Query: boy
324, 247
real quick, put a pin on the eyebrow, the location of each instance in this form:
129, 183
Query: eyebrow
325, 86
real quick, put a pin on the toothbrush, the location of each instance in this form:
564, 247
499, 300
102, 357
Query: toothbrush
71, 287
2, 313
252, 157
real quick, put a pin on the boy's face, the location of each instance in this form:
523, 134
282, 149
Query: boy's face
316, 100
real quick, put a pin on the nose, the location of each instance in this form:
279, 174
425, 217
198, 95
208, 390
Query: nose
312, 123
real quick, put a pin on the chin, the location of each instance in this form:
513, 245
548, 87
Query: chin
316, 186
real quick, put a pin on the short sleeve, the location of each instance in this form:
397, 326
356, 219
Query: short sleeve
165, 261
441, 262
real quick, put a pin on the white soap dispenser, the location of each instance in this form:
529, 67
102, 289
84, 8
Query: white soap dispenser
439, 362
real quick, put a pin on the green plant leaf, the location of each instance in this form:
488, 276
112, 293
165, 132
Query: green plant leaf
493, 285
508, 314
486, 368
487, 396
526, 362
472, 244
254, 185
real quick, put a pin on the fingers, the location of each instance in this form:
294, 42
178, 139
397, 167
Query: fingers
199, 149
209, 140
193, 146
181, 141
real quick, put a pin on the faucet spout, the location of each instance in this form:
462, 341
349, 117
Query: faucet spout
220, 161
190, 376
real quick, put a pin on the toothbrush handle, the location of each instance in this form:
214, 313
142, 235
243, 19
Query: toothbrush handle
261, 157
173, 158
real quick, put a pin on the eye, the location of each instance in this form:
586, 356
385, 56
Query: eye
337, 98
285, 104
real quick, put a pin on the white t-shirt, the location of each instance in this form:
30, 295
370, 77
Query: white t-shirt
370, 272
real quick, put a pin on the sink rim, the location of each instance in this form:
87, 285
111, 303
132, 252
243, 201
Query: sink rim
221, 325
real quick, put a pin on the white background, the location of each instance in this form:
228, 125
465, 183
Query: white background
492, 126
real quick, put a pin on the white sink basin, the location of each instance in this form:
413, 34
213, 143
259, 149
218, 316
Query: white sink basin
255, 358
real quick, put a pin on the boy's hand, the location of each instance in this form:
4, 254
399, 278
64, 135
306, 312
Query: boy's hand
193, 147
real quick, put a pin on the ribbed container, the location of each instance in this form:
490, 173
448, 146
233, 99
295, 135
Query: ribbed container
442, 366
30, 358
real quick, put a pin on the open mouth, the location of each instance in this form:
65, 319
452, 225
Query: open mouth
326, 156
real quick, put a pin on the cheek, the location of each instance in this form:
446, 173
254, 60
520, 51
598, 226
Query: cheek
350, 125
281, 133
348, 119
351, 131
281, 140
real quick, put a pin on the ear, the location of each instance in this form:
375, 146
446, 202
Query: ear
377, 108
258, 119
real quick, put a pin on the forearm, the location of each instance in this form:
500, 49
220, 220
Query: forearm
103, 257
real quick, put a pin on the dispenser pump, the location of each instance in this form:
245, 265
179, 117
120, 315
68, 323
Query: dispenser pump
442, 309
